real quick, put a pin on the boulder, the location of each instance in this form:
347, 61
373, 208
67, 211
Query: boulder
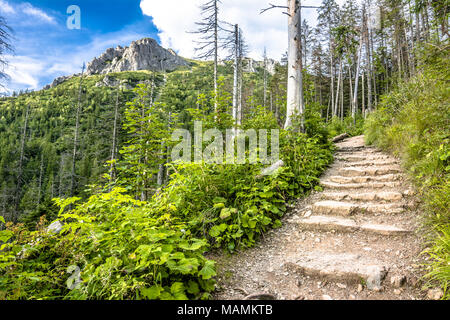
55, 228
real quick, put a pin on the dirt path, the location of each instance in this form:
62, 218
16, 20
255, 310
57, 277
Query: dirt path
355, 240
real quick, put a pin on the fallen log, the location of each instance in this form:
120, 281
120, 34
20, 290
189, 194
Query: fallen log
340, 137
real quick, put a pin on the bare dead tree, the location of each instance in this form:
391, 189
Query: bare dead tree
20, 169
114, 137
295, 97
76, 135
265, 77
208, 45
5, 47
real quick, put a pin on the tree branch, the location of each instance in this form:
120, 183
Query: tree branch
272, 6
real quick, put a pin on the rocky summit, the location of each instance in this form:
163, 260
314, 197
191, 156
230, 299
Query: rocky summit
144, 54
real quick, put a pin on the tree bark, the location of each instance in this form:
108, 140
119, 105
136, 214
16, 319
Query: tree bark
77, 128
295, 81
236, 75
358, 66
114, 139
20, 169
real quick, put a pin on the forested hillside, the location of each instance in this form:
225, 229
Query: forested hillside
94, 154
40, 126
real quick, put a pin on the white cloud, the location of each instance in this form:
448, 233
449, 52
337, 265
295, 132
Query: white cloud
6, 7
24, 11
174, 17
28, 9
24, 71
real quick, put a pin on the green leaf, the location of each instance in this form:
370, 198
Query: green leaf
151, 293
277, 224
208, 271
252, 223
5, 235
2, 219
193, 287
219, 200
219, 205
177, 289
195, 245
225, 213
215, 231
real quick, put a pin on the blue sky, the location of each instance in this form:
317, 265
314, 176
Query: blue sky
45, 48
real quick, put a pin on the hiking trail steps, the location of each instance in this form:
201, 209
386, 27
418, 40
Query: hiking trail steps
355, 240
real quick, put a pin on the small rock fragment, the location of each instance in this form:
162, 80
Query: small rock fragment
55, 228
398, 281
360, 288
397, 292
435, 294
376, 276
326, 297
341, 285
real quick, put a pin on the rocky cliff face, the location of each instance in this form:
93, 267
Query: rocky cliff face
144, 54
251, 65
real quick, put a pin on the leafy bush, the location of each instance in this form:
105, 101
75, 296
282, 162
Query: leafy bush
124, 252
336, 126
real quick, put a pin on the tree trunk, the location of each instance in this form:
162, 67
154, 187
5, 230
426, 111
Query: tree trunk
20, 169
216, 53
295, 81
369, 71
77, 128
332, 78
114, 139
265, 78
363, 98
336, 107
41, 176
236, 74
358, 66
350, 96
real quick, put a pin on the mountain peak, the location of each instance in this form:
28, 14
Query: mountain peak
144, 54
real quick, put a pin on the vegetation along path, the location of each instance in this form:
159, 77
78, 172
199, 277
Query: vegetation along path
354, 240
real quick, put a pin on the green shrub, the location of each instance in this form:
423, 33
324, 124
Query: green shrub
123, 250
354, 128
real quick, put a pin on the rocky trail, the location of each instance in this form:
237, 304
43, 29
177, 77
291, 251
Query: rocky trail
356, 240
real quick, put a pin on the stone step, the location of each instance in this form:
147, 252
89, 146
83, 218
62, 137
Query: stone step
323, 223
367, 196
345, 268
379, 163
366, 179
358, 158
339, 208
370, 185
358, 150
370, 171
